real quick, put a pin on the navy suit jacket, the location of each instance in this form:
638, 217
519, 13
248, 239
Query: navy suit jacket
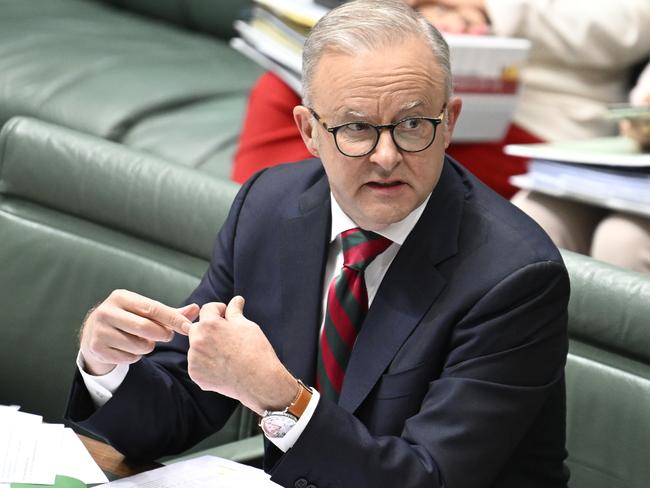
456, 378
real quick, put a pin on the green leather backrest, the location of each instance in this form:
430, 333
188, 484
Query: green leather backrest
79, 217
213, 16
608, 376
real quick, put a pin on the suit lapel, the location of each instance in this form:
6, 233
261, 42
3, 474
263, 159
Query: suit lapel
306, 233
407, 291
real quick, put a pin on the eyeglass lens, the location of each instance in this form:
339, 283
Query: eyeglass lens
413, 135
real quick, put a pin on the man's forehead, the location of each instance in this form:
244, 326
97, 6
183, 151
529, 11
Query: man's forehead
361, 112
352, 79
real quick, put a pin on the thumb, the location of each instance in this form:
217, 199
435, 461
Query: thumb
191, 311
235, 308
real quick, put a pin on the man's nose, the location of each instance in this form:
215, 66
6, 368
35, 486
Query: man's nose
386, 154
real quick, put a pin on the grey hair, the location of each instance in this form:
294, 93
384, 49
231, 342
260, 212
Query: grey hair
366, 24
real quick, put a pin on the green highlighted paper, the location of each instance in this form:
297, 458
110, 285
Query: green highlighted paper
60, 482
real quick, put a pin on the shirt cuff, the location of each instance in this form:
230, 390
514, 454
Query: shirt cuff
285, 443
101, 388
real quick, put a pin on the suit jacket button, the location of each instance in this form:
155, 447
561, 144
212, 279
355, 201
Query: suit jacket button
301, 483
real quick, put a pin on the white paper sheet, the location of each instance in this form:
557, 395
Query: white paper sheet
26, 447
76, 462
201, 472
35, 452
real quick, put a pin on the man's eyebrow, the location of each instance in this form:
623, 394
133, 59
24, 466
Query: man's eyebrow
352, 113
410, 105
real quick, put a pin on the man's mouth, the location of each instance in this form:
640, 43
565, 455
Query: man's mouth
385, 184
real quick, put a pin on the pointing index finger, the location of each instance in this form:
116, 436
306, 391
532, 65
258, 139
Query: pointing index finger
155, 311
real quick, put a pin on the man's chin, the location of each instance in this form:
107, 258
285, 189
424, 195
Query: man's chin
380, 218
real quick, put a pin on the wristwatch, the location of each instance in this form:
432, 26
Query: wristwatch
276, 424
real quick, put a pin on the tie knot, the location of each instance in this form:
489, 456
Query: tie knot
361, 247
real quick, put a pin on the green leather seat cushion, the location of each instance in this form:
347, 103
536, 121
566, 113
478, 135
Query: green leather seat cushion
608, 427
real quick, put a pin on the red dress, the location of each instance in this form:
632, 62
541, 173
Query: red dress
270, 136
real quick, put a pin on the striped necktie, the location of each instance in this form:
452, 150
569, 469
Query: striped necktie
347, 305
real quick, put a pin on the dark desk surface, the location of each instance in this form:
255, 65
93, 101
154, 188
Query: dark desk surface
111, 461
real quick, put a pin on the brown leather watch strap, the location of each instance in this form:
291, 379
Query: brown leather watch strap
299, 404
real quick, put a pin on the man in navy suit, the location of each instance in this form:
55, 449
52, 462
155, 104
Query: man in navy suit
456, 376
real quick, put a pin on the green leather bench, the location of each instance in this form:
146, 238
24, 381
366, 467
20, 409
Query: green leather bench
80, 216
158, 76
608, 376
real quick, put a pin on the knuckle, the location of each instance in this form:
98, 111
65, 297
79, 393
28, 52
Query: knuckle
100, 314
149, 308
177, 321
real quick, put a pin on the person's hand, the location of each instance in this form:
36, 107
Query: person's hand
230, 354
465, 20
453, 17
478, 4
126, 326
638, 130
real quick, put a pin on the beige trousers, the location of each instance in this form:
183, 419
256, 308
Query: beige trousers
617, 238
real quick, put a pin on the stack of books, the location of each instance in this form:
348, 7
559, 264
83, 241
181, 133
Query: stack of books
610, 172
485, 68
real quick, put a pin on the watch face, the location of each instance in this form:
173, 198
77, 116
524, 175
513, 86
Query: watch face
276, 425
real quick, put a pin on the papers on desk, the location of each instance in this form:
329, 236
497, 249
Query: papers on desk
607, 172
602, 151
485, 68
200, 472
35, 452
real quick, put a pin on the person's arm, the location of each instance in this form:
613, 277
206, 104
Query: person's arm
506, 360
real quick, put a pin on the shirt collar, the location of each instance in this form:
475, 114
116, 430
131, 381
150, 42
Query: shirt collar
397, 232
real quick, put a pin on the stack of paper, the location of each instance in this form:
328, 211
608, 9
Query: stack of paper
35, 452
609, 172
485, 68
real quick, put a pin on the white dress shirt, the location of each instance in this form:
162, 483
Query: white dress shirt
101, 388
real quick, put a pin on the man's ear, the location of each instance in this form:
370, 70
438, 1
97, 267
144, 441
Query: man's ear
453, 112
307, 127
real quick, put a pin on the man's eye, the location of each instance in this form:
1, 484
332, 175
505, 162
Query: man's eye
357, 127
411, 123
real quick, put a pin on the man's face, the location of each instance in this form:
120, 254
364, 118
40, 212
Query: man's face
380, 86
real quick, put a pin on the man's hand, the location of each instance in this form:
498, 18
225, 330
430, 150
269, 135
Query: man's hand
126, 326
230, 355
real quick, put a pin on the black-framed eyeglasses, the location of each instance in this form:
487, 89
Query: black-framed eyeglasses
411, 134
